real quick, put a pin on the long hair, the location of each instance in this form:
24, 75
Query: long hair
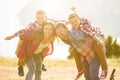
53, 36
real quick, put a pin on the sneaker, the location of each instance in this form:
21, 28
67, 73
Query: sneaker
20, 71
104, 74
44, 68
78, 75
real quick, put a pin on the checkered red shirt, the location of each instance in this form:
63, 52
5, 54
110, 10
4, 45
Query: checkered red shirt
86, 27
29, 28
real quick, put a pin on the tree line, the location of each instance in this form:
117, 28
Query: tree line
112, 48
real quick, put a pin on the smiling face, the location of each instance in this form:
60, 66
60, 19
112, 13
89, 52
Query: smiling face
74, 20
48, 30
62, 32
41, 17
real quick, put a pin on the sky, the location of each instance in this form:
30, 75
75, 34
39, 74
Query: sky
16, 14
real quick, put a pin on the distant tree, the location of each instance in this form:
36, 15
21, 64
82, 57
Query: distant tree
112, 47
116, 48
108, 45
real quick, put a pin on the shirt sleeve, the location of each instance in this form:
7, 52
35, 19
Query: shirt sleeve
28, 29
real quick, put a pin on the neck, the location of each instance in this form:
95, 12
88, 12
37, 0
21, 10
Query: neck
78, 26
39, 23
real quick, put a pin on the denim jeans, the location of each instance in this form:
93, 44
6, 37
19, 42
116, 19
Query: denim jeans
34, 64
91, 70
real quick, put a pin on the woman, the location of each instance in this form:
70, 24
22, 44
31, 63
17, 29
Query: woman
34, 62
30, 38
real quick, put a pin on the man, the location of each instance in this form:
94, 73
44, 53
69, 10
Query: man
84, 45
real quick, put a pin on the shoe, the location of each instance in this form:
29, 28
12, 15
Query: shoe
20, 71
104, 74
78, 75
44, 68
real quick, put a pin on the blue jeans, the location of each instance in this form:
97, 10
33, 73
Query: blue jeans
34, 64
91, 70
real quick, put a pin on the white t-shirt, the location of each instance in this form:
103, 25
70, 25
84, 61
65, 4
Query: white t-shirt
41, 47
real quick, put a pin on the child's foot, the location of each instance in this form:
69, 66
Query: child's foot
20, 71
104, 74
44, 68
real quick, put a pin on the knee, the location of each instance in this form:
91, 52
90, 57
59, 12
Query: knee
31, 69
94, 76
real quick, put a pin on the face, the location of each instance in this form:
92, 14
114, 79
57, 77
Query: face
62, 33
75, 22
41, 18
48, 30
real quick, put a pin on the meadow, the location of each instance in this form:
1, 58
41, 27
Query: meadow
56, 69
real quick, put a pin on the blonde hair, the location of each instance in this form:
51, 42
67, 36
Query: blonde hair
73, 15
41, 12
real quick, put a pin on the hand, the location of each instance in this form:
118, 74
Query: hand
9, 37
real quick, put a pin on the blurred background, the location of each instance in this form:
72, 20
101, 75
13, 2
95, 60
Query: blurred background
16, 14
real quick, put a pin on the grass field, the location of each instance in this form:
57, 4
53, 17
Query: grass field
57, 69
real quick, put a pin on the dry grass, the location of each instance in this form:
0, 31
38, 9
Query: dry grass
57, 69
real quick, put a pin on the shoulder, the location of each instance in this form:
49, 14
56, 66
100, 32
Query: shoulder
33, 26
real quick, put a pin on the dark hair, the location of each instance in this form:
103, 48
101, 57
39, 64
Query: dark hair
60, 25
52, 24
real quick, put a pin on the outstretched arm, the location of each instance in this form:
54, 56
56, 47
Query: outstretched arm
28, 29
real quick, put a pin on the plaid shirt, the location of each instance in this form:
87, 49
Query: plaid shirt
30, 39
83, 43
86, 27
28, 29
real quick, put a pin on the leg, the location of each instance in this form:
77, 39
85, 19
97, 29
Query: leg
94, 69
38, 63
21, 63
86, 69
77, 58
100, 51
31, 67
43, 66
20, 42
